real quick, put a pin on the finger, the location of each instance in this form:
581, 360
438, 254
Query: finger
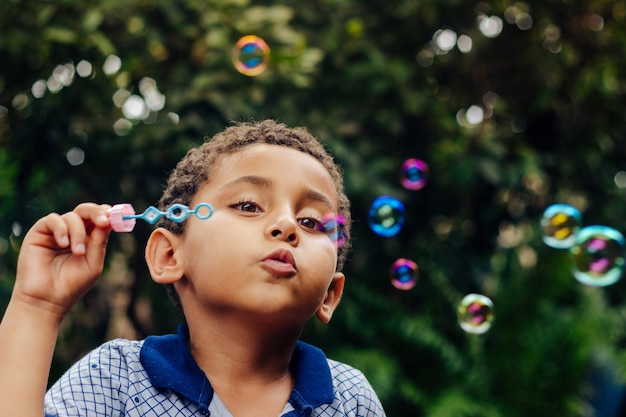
96, 249
77, 232
97, 214
98, 228
50, 227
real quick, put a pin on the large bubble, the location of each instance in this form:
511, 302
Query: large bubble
475, 313
560, 224
404, 274
251, 55
334, 225
413, 174
598, 256
386, 216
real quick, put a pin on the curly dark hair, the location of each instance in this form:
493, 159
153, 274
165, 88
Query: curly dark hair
195, 169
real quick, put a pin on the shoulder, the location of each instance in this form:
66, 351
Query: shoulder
114, 361
117, 354
100, 381
352, 388
346, 378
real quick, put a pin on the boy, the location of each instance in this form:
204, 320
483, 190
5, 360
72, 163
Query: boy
247, 280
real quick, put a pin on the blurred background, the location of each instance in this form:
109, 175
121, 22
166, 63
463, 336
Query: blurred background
504, 107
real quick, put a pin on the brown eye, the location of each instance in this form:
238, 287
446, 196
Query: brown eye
310, 223
247, 206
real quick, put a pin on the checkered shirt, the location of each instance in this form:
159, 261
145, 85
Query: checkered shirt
158, 377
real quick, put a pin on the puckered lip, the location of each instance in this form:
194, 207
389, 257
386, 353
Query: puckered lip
280, 262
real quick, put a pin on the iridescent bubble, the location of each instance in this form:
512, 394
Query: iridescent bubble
404, 274
598, 256
250, 55
335, 226
413, 174
475, 313
559, 225
386, 216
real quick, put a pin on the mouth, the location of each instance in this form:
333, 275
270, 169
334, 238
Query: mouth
280, 262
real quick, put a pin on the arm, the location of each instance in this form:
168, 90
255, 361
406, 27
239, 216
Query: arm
61, 258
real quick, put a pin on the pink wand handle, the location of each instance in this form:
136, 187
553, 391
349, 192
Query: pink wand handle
118, 222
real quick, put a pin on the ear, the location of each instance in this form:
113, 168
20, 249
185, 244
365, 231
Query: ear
332, 299
162, 256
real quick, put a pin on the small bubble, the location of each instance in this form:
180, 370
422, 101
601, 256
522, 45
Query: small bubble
335, 226
598, 256
386, 216
413, 174
475, 313
559, 224
250, 55
404, 274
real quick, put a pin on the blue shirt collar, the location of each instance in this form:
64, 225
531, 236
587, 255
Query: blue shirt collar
169, 365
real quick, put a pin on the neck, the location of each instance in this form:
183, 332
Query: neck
245, 361
232, 351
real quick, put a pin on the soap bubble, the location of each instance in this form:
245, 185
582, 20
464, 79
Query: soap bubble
250, 55
335, 226
475, 313
386, 216
404, 274
413, 174
560, 224
598, 256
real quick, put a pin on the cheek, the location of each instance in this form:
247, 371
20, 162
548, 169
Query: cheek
205, 246
323, 257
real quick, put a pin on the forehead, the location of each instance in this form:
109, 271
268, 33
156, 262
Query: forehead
273, 161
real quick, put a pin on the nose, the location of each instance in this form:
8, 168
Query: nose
284, 228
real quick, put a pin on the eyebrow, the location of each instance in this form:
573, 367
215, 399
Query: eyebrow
249, 179
309, 193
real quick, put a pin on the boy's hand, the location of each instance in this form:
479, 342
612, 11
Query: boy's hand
61, 258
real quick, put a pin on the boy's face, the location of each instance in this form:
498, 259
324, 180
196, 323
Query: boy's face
262, 252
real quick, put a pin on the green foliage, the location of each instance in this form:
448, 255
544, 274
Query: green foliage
368, 79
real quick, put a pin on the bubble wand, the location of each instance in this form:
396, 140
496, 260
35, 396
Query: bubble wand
123, 217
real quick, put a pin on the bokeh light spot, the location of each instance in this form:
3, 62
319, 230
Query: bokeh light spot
445, 39
620, 179
524, 21
135, 108
122, 127
84, 69
425, 58
112, 64
20, 101
39, 88
75, 156
474, 115
490, 26
464, 43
